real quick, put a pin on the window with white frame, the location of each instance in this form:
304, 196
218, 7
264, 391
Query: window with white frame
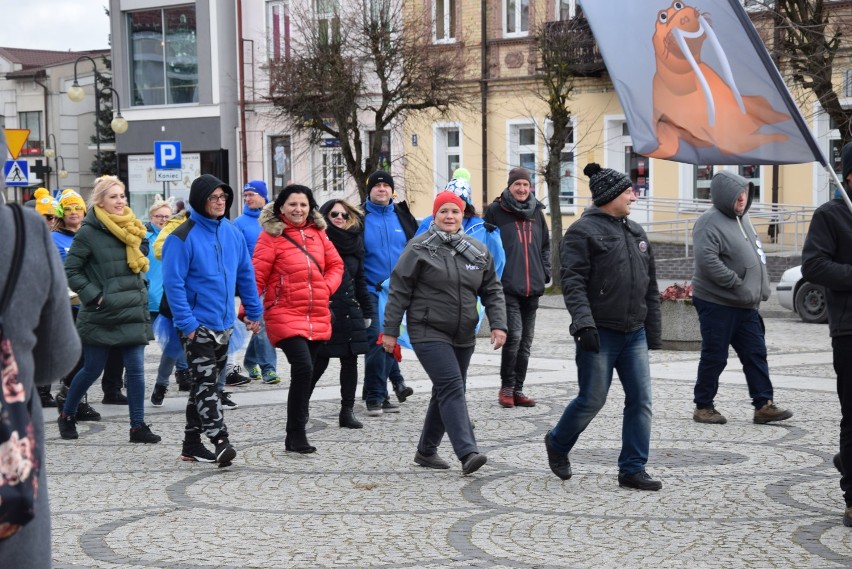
328, 20
522, 148
445, 21
384, 159
566, 9
847, 83
31, 120
702, 176
278, 29
751, 172
331, 168
448, 153
516, 17
567, 179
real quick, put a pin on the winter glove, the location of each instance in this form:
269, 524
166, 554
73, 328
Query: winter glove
589, 339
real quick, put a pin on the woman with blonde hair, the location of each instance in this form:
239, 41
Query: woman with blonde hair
105, 266
351, 309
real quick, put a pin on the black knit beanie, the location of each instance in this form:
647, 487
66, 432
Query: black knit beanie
379, 176
606, 184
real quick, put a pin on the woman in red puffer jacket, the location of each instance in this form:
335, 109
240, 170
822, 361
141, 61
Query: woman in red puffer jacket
297, 270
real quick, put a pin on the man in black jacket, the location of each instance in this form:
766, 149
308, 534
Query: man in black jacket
526, 241
610, 288
827, 260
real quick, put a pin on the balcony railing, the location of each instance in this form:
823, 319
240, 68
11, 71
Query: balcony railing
574, 38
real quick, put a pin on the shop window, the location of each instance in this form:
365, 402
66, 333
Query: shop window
637, 167
281, 160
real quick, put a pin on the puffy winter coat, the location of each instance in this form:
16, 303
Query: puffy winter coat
96, 266
295, 281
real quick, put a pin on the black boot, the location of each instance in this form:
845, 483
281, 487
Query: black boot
347, 419
298, 442
47, 399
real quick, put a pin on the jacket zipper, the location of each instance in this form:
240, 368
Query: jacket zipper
310, 288
525, 241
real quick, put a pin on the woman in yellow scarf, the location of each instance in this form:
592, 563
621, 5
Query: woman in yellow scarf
106, 266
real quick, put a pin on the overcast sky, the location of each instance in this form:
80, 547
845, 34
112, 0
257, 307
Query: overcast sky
59, 25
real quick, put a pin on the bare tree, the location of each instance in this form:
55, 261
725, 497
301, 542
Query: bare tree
566, 51
813, 34
369, 65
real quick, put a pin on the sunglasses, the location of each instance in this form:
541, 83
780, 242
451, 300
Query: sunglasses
336, 214
70, 208
50, 217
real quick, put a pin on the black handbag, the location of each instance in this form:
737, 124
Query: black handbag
19, 465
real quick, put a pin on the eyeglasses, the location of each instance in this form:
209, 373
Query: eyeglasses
50, 217
70, 208
248, 194
159, 217
336, 214
218, 198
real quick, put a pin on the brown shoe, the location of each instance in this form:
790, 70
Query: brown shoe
769, 413
708, 415
507, 397
522, 400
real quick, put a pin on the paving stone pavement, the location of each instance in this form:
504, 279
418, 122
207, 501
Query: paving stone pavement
735, 495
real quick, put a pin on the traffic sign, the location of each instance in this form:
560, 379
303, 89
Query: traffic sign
16, 172
15, 140
167, 155
167, 175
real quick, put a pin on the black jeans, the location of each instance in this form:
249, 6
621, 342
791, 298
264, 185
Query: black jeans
842, 347
301, 354
348, 377
520, 316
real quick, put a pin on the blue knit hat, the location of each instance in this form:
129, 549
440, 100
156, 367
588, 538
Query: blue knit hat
258, 187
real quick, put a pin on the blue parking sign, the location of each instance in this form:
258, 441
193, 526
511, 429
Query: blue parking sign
167, 155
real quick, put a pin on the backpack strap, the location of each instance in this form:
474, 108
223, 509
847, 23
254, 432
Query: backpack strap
17, 257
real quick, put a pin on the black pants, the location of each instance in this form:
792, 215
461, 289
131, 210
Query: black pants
301, 354
348, 377
515, 357
842, 346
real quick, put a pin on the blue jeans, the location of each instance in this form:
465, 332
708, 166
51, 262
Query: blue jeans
515, 357
260, 352
94, 361
741, 328
167, 365
626, 353
377, 362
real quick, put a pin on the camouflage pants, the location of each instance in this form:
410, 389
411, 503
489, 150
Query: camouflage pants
206, 355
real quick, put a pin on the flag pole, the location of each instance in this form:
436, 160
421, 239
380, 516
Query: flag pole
843, 193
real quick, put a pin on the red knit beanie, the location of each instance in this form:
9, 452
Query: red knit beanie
446, 197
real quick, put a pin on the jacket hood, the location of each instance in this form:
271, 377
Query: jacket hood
724, 190
202, 187
273, 225
846, 162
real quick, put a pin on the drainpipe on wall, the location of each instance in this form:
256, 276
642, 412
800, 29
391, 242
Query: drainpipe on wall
241, 79
483, 91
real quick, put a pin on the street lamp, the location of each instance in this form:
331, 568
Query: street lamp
50, 152
119, 123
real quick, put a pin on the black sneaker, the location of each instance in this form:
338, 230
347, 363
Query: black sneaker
143, 434
114, 398
47, 399
639, 480
183, 377
388, 407
402, 391
227, 402
158, 395
86, 412
67, 426
558, 461
236, 378
196, 452
224, 452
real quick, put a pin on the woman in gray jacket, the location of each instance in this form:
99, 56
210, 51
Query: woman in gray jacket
436, 280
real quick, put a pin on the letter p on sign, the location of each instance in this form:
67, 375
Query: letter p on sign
166, 155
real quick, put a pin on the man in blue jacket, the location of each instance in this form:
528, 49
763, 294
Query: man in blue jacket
387, 228
205, 264
260, 358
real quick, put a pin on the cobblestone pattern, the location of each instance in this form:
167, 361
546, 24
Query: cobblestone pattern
737, 495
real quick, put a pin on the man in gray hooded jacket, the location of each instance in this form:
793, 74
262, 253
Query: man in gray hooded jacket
729, 283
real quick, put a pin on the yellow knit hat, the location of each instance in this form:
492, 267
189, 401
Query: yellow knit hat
45, 204
70, 197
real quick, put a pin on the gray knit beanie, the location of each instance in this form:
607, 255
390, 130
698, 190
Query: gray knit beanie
606, 184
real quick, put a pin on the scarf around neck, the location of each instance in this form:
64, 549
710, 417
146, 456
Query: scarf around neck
455, 241
524, 209
130, 231
346, 241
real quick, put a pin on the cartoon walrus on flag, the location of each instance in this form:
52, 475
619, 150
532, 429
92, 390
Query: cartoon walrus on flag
696, 83
696, 103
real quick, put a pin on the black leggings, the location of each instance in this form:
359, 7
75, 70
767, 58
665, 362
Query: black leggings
348, 377
301, 354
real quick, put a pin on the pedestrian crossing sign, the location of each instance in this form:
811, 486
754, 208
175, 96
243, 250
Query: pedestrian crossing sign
16, 173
